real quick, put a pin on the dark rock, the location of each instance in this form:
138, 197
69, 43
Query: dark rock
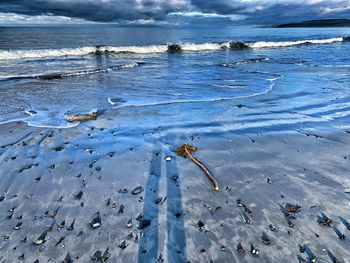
123, 245
121, 209
200, 224
106, 255
253, 250
17, 226
79, 195
59, 241
173, 48
41, 240
97, 256
265, 239
143, 223
71, 227
158, 201
240, 248
58, 148
137, 190
96, 222
238, 45
174, 178
68, 259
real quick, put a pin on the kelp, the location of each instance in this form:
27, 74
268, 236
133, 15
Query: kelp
187, 150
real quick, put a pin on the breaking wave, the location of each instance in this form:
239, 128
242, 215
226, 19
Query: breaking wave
186, 47
297, 43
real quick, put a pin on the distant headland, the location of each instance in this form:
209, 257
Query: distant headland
318, 23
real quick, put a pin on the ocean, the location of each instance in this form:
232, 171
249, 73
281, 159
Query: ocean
284, 76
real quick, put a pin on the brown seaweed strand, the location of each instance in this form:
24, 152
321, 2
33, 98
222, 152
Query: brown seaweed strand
205, 170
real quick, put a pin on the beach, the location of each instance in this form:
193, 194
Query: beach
266, 109
43, 170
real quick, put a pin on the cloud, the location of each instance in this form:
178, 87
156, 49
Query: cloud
13, 18
277, 11
95, 10
153, 11
207, 15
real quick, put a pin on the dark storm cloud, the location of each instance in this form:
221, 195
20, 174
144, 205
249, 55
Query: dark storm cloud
258, 12
95, 10
275, 11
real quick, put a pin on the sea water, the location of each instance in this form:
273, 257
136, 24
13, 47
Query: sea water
283, 78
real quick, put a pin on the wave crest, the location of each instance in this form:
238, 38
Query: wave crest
187, 47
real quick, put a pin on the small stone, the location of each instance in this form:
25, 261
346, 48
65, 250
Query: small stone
272, 227
71, 227
17, 226
121, 209
123, 245
96, 222
158, 201
168, 158
129, 223
200, 224
97, 256
240, 248
58, 149
68, 259
254, 250
79, 195
137, 190
130, 236
106, 255
41, 239
144, 223
174, 178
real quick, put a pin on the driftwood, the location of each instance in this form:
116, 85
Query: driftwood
85, 117
187, 150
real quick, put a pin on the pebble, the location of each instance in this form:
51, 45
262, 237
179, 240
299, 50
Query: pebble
137, 190
123, 245
96, 222
97, 256
254, 250
129, 223
79, 195
17, 226
200, 224
143, 223
41, 239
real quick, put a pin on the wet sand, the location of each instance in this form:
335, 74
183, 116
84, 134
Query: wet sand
51, 178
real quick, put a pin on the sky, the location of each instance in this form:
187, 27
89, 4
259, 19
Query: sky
236, 12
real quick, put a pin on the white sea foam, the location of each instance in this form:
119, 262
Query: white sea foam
189, 47
264, 44
204, 47
45, 53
